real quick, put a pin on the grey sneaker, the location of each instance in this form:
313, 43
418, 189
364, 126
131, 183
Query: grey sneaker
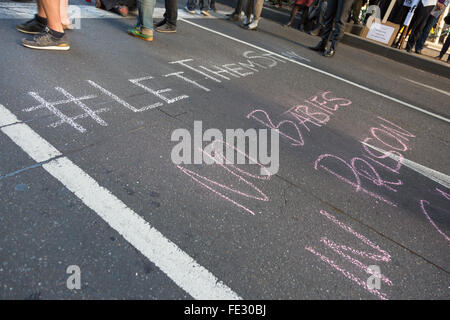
32, 26
45, 41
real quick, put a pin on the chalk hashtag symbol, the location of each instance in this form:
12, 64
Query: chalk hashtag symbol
63, 118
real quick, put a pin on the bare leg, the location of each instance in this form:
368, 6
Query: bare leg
52, 10
41, 11
293, 14
64, 12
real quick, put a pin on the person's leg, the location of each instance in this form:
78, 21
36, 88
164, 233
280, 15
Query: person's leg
343, 9
332, 6
40, 11
249, 10
35, 25
144, 28
303, 17
431, 21
257, 14
212, 5
258, 9
294, 12
64, 12
445, 48
52, 11
356, 10
239, 7
52, 37
204, 7
171, 14
418, 23
191, 5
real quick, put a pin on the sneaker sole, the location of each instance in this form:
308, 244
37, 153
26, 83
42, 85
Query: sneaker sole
55, 48
27, 32
142, 38
166, 31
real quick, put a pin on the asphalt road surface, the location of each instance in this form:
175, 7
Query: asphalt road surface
87, 178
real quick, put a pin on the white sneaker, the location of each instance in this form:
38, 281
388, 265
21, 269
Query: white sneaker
247, 20
253, 25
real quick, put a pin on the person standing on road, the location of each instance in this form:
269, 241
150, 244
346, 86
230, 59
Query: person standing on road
252, 14
203, 5
302, 5
446, 43
337, 11
431, 22
144, 26
34, 26
419, 20
169, 23
236, 14
47, 27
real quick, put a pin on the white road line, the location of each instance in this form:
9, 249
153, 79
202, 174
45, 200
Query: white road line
427, 86
322, 72
167, 256
434, 175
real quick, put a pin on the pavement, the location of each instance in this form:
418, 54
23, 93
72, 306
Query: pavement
425, 61
87, 177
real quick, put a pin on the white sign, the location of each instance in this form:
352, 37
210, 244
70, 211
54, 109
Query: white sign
380, 32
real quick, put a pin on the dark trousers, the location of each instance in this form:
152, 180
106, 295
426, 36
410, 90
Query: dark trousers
418, 24
431, 21
171, 13
338, 11
355, 10
445, 47
239, 7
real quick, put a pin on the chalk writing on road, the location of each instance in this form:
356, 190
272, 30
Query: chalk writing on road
348, 254
192, 75
316, 111
424, 204
369, 166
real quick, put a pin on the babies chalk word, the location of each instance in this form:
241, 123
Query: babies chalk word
252, 63
367, 167
349, 254
316, 111
258, 147
424, 203
239, 186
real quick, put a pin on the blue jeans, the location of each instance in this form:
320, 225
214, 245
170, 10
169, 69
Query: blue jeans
426, 31
145, 16
203, 4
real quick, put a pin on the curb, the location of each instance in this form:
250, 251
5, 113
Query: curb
401, 56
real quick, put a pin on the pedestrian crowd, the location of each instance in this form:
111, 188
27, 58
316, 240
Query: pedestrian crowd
326, 18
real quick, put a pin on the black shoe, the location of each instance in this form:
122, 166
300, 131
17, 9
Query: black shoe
330, 52
45, 41
166, 28
418, 51
408, 49
320, 47
159, 24
32, 26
